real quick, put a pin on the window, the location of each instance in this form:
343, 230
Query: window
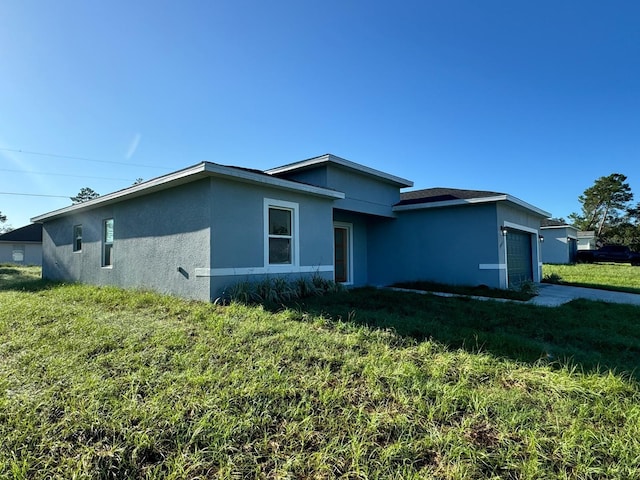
281, 240
17, 254
107, 243
77, 238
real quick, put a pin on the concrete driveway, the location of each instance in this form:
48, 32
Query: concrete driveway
550, 295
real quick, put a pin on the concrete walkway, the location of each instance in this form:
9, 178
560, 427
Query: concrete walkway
550, 295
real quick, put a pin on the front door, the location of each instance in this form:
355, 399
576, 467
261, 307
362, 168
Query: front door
341, 254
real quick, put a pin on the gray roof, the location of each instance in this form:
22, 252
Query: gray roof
430, 195
29, 233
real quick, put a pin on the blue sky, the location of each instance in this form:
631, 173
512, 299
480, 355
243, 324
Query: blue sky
535, 99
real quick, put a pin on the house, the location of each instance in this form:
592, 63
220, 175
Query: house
22, 246
195, 232
560, 242
587, 240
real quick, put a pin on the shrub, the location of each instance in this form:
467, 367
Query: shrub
552, 278
279, 290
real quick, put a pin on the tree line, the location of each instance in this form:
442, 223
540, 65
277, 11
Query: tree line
607, 209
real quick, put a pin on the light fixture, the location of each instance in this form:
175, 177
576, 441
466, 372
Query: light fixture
503, 230
541, 238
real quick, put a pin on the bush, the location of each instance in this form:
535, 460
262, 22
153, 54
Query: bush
552, 278
279, 290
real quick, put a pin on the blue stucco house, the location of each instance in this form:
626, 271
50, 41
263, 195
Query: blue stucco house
196, 231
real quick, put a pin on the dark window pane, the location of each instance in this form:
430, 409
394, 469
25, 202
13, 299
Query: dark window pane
279, 250
279, 222
108, 261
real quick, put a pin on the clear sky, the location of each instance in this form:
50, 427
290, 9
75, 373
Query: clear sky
536, 99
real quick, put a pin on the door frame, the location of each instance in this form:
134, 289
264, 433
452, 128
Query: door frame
349, 228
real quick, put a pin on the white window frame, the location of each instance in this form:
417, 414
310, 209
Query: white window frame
75, 238
105, 242
294, 208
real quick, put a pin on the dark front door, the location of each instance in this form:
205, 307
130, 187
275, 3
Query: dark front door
519, 258
341, 255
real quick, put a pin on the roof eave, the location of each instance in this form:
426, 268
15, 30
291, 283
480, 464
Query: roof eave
187, 175
472, 201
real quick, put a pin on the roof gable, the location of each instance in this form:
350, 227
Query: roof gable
343, 163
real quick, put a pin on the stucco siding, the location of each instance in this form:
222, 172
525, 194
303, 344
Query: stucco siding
32, 253
159, 241
363, 194
557, 246
455, 245
238, 234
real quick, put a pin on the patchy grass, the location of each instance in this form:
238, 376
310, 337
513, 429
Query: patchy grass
480, 291
607, 276
106, 383
16, 276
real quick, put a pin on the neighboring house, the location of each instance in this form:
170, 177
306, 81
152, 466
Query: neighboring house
22, 245
560, 242
587, 240
198, 231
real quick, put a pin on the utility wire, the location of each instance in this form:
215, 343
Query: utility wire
63, 175
69, 157
34, 195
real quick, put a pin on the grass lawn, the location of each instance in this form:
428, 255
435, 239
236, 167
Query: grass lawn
610, 276
106, 383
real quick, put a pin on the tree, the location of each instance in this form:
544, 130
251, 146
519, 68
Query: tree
5, 228
604, 205
84, 195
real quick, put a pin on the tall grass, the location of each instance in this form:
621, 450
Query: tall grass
106, 383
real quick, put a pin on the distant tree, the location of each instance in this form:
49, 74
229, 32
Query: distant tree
138, 181
604, 205
84, 195
4, 228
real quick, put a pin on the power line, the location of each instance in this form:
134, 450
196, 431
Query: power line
70, 157
63, 175
34, 195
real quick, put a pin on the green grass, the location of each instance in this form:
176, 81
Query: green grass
106, 383
480, 291
608, 276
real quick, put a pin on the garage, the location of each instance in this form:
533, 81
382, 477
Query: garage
519, 258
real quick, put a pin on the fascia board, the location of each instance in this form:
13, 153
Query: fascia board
312, 162
187, 175
473, 201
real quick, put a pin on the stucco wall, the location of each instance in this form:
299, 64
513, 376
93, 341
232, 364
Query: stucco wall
238, 234
159, 241
556, 247
32, 253
363, 193
447, 245
194, 240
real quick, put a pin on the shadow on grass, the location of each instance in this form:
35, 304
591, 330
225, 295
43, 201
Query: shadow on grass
592, 336
20, 279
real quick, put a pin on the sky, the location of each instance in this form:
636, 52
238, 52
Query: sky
535, 99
